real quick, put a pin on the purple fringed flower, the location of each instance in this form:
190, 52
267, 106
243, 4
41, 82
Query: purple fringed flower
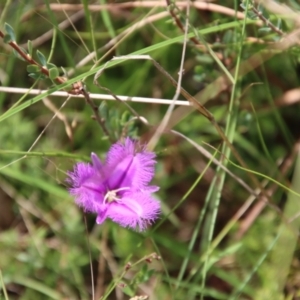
118, 189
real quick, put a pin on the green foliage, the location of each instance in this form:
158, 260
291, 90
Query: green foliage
118, 124
33, 69
37, 76
41, 58
10, 36
53, 73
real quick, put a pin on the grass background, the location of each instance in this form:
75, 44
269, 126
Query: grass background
229, 183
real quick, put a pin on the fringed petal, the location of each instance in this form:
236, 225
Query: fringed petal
134, 210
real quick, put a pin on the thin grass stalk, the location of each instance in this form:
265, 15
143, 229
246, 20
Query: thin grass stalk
219, 178
88, 17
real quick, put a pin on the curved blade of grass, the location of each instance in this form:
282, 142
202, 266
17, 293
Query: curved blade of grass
45, 154
90, 25
2, 286
198, 225
38, 286
35, 182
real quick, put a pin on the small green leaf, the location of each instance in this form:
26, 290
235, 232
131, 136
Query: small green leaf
125, 117
103, 109
114, 118
33, 69
262, 11
127, 290
37, 76
41, 58
50, 66
264, 29
34, 75
53, 73
7, 39
279, 24
10, 31
243, 6
251, 15
30, 48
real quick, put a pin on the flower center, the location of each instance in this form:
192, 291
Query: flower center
113, 195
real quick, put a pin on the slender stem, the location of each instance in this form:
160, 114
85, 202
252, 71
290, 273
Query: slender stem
31, 61
179, 23
266, 21
97, 117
